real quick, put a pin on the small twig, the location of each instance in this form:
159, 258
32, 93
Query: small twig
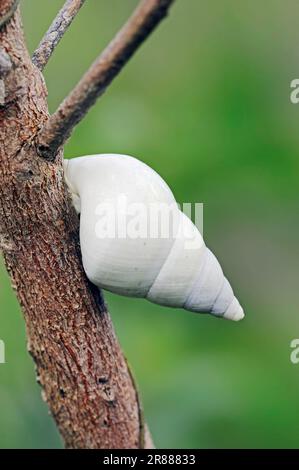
60, 125
57, 29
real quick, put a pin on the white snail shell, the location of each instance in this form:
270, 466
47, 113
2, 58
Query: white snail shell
165, 270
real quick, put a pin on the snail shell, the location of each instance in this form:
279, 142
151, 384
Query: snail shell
176, 270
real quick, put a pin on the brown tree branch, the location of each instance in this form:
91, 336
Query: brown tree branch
79, 363
60, 125
54, 34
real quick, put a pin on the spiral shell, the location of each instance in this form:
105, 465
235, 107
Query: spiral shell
177, 270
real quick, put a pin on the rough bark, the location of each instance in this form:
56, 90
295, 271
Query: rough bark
80, 366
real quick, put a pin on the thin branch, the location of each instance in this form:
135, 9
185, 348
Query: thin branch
54, 34
60, 125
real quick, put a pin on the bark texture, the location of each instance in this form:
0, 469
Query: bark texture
80, 366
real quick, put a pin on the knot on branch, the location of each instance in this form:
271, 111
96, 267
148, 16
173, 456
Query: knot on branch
46, 151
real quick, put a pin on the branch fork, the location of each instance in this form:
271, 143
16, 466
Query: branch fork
106, 67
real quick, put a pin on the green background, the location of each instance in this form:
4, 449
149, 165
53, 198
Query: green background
206, 103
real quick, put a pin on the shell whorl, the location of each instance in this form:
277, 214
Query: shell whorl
193, 280
179, 271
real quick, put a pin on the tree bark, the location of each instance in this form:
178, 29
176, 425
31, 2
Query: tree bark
80, 366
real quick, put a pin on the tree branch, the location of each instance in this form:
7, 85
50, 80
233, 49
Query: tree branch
60, 125
54, 34
85, 379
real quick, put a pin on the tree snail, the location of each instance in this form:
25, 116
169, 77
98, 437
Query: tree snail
123, 206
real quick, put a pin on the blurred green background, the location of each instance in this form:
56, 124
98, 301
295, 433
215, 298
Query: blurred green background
206, 103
